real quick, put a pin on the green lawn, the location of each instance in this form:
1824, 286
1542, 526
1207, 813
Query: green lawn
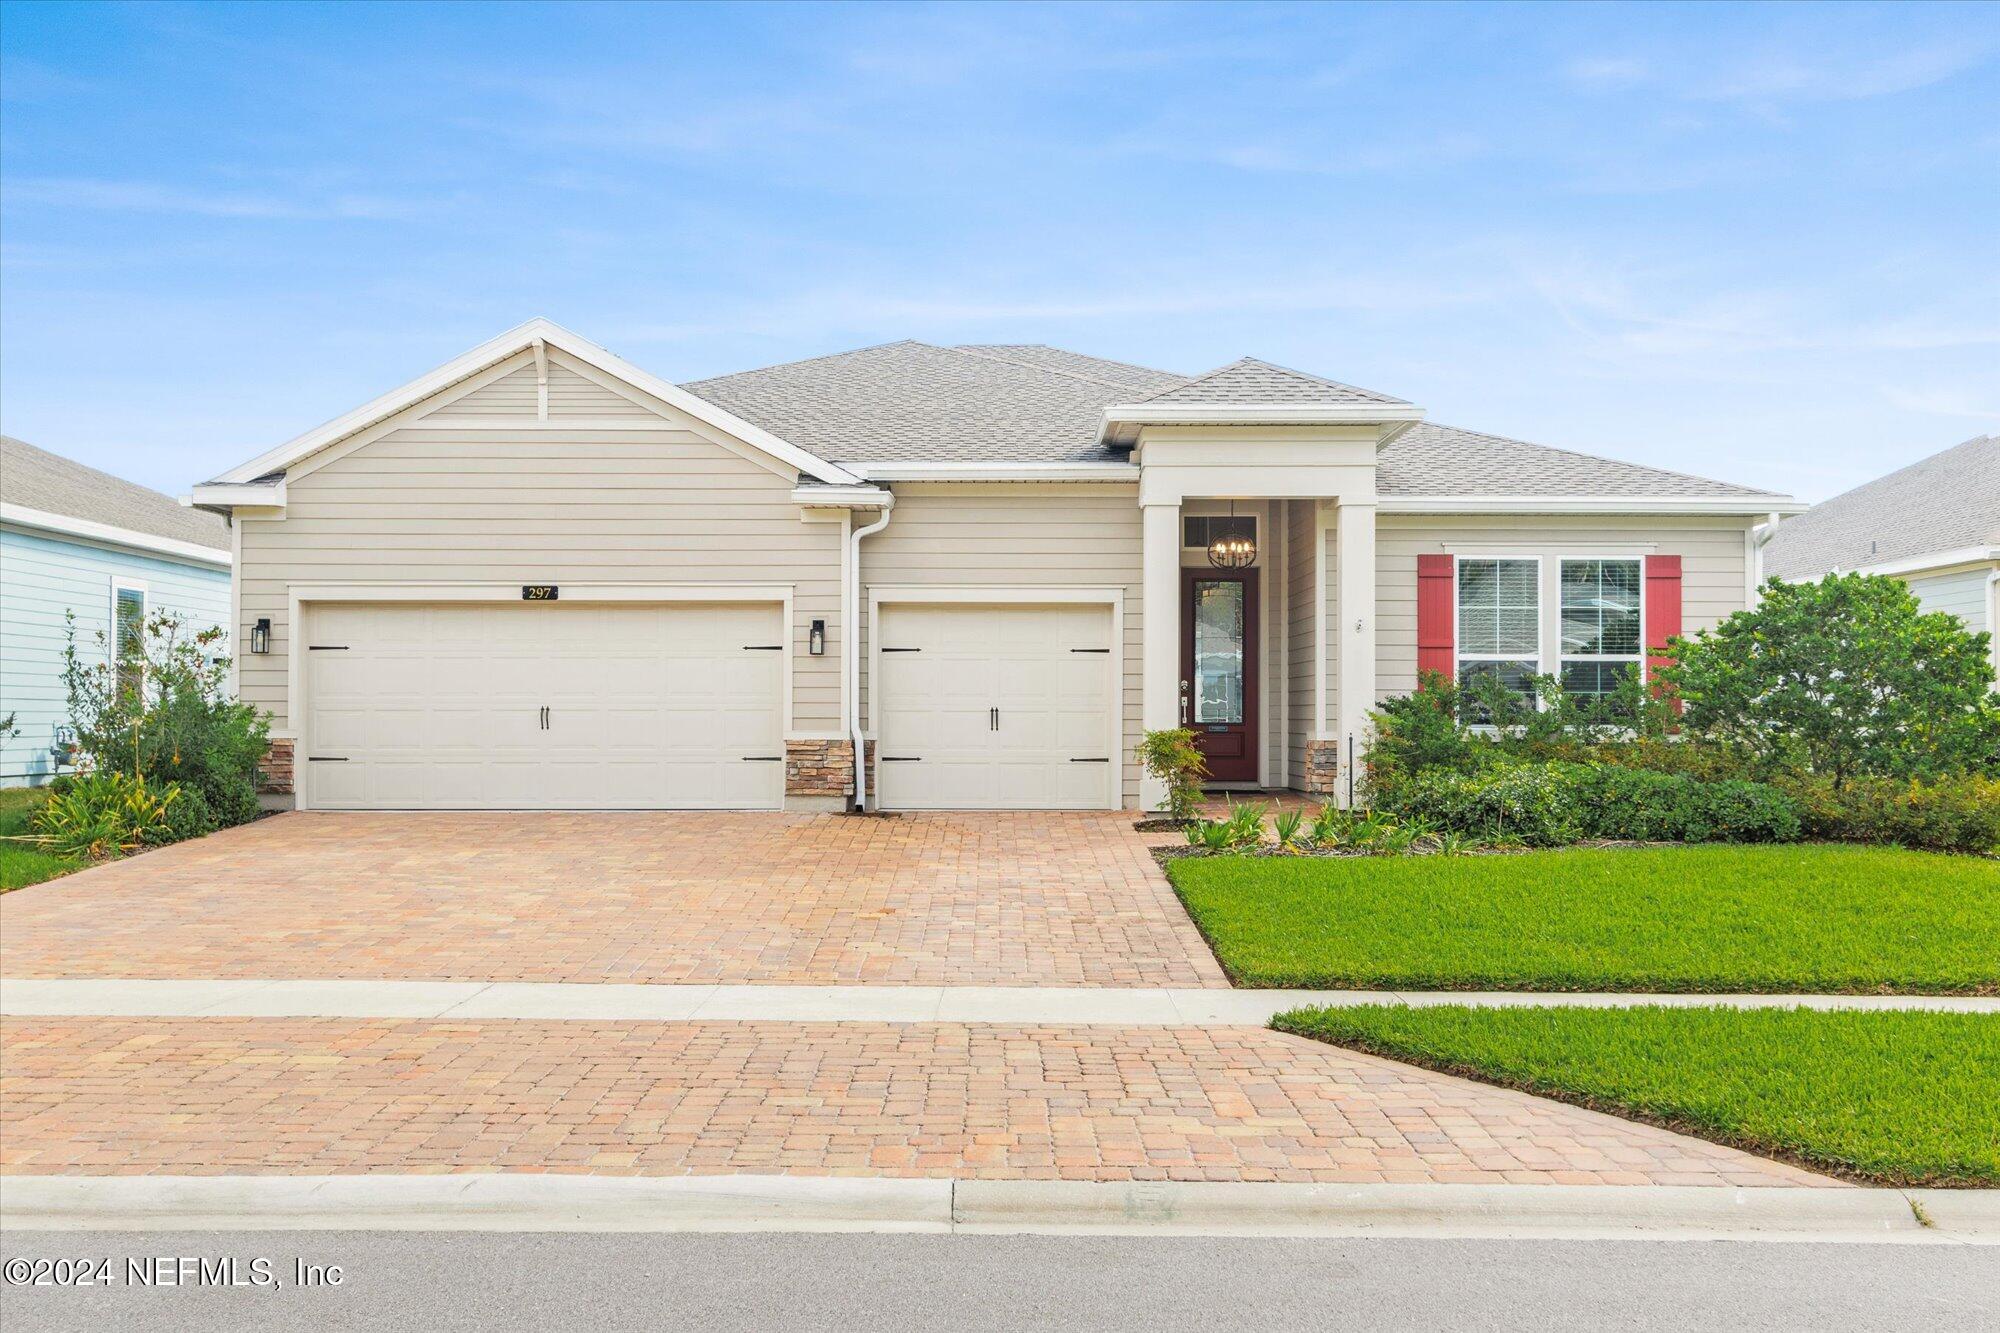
20, 863
1800, 918
1898, 1098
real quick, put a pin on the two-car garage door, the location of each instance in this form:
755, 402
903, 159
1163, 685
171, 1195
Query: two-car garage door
544, 706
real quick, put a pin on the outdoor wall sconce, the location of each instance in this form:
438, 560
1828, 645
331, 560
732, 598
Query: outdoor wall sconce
816, 640
260, 636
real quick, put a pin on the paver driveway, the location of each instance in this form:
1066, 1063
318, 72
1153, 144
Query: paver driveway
207, 1096
974, 899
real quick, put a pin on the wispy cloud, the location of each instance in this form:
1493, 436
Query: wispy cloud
150, 197
1782, 76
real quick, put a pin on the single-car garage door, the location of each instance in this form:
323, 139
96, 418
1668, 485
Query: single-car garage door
995, 708
544, 706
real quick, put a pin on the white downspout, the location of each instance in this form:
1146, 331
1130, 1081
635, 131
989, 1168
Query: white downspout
853, 643
1760, 537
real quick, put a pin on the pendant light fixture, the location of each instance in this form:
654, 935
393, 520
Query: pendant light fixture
1230, 550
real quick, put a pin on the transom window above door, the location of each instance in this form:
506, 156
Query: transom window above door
1201, 530
1499, 623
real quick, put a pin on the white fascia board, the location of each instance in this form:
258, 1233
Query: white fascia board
1917, 564
979, 471
238, 495
842, 497
69, 526
1255, 414
507, 344
1749, 505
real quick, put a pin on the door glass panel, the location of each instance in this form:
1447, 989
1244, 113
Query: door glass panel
1218, 651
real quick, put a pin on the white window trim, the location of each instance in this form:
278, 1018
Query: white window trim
1460, 656
120, 583
1563, 658
1548, 607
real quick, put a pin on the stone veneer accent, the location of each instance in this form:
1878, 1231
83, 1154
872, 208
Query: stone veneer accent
820, 767
1322, 767
274, 770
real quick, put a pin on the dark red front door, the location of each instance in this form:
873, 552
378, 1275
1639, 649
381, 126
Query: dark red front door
1219, 669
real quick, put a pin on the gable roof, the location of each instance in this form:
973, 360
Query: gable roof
49, 484
1947, 502
1121, 373
1252, 381
495, 350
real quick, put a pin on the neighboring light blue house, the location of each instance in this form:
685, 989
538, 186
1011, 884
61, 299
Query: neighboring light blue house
73, 539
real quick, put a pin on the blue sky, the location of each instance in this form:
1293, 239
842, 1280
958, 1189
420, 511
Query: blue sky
1758, 243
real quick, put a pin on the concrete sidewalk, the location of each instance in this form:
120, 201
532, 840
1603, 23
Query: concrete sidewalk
784, 1003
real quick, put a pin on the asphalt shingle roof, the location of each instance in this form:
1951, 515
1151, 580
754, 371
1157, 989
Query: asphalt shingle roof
53, 484
1946, 502
1429, 459
1252, 381
915, 402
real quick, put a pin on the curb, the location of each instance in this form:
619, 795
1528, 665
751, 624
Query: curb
472, 1203
497, 1202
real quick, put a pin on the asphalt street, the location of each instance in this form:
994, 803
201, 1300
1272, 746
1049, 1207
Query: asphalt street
765, 1282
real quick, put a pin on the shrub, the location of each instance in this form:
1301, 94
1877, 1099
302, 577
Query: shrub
1170, 756
1535, 803
1949, 815
105, 815
1640, 806
171, 719
1847, 677
187, 816
1288, 826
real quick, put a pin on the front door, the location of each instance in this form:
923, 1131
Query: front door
1219, 669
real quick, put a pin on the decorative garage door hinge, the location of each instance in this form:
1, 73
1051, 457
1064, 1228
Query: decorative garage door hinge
1099, 760
1090, 650
326, 758
763, 759
901, 759
902, 650
326, 647
763, 647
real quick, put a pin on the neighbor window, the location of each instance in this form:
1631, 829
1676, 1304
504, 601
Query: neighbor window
1499, 623
1600, 625
128, 634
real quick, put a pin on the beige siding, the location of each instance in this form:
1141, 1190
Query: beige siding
1711, 551
1024, 536
497, 505
1301, 573
512, 395
571, 395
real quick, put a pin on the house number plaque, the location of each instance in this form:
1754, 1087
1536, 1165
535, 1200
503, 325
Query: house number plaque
539, 592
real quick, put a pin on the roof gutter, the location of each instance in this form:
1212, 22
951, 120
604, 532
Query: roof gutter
67, 525
851, 636
956, 471
1742, 505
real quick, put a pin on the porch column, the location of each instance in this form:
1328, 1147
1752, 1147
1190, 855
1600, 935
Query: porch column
1356, 696
1160, 611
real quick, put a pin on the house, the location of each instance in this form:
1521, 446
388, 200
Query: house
540, 576
1934, 524
76, 541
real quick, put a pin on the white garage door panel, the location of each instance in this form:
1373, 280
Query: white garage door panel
941, 672
439, 707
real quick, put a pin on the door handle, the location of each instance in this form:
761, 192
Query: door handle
1184, 703
545, 717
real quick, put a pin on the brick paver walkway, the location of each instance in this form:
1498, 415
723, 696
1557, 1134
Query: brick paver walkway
326, 1096
983, 899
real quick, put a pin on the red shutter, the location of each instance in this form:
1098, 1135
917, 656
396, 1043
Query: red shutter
1435, 644
1663, 606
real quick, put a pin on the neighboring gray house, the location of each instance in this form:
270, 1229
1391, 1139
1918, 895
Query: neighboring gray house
76, 541
1934, 524
542, 576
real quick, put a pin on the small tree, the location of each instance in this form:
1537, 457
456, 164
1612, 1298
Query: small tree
1172, 757
1844, 677
164, 714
